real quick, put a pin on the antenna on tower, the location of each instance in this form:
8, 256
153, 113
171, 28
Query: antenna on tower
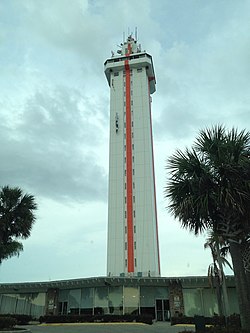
123, 37
136, 33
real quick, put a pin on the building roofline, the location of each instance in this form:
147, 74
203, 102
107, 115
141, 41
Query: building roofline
186, 281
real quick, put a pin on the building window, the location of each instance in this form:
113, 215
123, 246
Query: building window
135, 245
133, 172
125, 185
132, 124
125, 159
133, 159
125, 199
135, 262
126, 246
133, 185
116, 73
126, 262
133, 198
125, 214
134, 229
125, 172
134, 213
139, 70
133, 146
125, 229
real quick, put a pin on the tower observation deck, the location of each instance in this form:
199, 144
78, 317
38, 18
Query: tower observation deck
133, 247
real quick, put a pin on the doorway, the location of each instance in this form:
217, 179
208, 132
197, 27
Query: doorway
63, 307
162, 312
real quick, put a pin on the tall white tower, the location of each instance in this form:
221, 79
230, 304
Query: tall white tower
133, 248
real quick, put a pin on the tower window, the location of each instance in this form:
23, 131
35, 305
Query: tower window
135, 245
133, 198
125, 199
134, 229
126, 262
135, 262
133, 185
116, 73
125, 229
126, 246
125, 185
125, 214
133, 171
139, 70
134, 213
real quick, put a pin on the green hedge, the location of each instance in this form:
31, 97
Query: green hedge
147, 319
7, 322
20, 319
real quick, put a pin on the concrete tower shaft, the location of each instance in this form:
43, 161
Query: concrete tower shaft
133, 247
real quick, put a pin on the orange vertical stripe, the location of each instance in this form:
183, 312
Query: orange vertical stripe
130, 231
156, 220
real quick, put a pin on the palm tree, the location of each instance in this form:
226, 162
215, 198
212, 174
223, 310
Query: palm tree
216, 276
209, 188
16, 220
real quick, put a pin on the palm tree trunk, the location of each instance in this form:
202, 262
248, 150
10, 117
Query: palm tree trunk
241, 285
218, 294
224, 287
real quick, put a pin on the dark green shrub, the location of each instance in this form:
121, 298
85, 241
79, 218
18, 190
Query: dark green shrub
20, 319
7, 322
108, 318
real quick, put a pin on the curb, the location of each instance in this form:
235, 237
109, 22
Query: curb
17, 331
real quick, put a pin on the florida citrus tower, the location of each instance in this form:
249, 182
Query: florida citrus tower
133, 248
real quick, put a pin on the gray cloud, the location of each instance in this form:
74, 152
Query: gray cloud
53, 150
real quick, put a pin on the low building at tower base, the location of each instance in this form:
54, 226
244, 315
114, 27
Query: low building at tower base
161, 297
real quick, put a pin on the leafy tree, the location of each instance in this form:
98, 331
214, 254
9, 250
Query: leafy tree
209, 188
16, 220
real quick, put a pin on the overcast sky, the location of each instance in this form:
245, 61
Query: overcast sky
54, 116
